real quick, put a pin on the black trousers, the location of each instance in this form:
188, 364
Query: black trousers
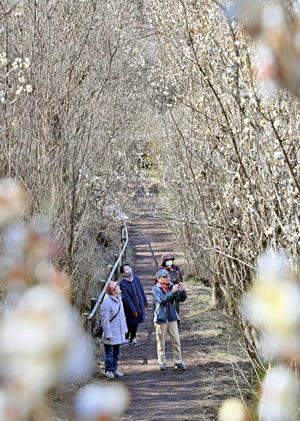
131, 334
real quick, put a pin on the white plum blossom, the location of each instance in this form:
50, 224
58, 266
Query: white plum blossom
237, 202
96, 400
2, 97
26, 63
3, 59
280, 395
19, 90
233, 409
42, 342
274, 265
13, 406
18, 11
269, 231
273, 306
272, 17
12, 200
28, 89
17, 63
15, 239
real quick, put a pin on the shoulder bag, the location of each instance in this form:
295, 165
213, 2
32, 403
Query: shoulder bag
98, 328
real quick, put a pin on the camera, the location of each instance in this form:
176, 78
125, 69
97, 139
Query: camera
174, 277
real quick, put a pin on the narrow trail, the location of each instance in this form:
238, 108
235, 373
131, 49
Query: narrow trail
195, 394
192, 395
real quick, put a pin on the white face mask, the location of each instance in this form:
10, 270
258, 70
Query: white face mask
169, 262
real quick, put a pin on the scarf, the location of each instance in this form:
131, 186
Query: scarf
164, 287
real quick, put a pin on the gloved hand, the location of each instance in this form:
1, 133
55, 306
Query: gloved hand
134, 314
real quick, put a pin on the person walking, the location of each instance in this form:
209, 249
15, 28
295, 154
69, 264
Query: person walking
175, 272
114, 329
134, 301
165, 317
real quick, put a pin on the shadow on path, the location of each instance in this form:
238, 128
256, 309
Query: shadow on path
158, 396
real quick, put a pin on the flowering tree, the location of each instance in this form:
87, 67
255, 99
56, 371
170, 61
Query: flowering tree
228, 154
42, 343
71, 98
272, 306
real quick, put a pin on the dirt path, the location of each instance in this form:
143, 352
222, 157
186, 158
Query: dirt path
196, 393
208, 351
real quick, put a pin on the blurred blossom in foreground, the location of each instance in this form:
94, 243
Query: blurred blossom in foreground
249, 12
42, 343
264, 69
33, 241
280, 395
96, 402
26, 259
12, 200
279, 28
273, 306
45, 273
233, 409
274, 265
14, 240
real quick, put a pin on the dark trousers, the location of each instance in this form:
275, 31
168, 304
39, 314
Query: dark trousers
131, 334
111, 357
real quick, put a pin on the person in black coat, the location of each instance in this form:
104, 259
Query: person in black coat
134, 301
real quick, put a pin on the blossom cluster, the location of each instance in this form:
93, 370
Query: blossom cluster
275, 27
228, 159
228, 155
272, 307
42, 342
16, 72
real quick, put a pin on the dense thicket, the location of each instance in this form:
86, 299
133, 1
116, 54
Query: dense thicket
228, 153
71, 118
90, 89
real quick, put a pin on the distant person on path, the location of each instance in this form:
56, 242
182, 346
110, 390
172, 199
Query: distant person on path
135, 302
175, 272
166, 317
114, 329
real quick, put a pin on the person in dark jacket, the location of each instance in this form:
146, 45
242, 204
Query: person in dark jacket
165, 317
175, 272
134, 301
